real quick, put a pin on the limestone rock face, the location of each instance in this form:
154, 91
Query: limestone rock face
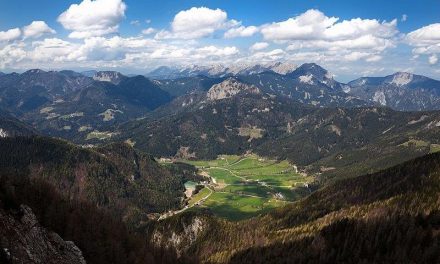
229, 88
24, 240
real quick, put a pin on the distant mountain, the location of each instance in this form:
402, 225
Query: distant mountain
234, 117
32, 89
401, 91
109, 76
308, 84
187, 85
90, 73
220, 70
68, 104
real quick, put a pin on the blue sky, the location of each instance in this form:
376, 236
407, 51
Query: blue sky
350, 38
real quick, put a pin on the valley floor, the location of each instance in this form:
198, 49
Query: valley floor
240, 187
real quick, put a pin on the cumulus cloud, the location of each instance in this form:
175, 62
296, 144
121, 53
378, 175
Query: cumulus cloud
315, 25
11, 54
273, 55
210, 51
37, 29
93, 18
350, 40
426, 41
425, 36
197, 22
259, 46
433, 59
53, 49
241, 31
309, 25
148, 31
9, 35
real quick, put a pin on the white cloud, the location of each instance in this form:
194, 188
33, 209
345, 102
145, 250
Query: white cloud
210, 51
259, 46
135, 22
314, 25
148, 31
404, 17
9, 35
11, 54
349, 40
241, 31
93, 18
433, 59
424, 36
53, 49
373, 58
309, 25
269, 56
37, 29
426, 41
197, 22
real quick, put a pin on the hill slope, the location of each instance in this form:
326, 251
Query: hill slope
392, 215
115, 176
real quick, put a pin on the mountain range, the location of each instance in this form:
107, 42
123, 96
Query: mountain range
220, 70
98, 163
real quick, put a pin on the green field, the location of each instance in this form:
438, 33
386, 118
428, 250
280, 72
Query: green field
245, 186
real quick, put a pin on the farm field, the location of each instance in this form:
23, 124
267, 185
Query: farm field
245, 186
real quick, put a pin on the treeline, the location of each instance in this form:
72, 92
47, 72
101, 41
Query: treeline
101, 236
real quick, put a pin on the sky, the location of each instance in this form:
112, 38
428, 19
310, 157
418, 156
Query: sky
349, 38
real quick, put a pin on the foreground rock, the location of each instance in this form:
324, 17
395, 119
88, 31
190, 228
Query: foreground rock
24, 240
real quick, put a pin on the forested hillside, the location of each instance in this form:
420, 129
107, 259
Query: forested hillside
390, 215
116, 176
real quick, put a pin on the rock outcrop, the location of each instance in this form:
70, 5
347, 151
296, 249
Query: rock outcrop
24, 240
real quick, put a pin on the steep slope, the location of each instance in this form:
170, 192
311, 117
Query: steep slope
11, 127
389, 216
24, 240
36, 218
401, 91
213, 125
131, 183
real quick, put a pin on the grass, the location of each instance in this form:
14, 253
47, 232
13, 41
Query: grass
198, 196
245, 186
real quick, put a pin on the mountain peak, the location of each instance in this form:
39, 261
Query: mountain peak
401, 78
108, 76
34, 71
229, 88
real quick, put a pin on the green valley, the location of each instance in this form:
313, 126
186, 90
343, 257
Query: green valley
239, 187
